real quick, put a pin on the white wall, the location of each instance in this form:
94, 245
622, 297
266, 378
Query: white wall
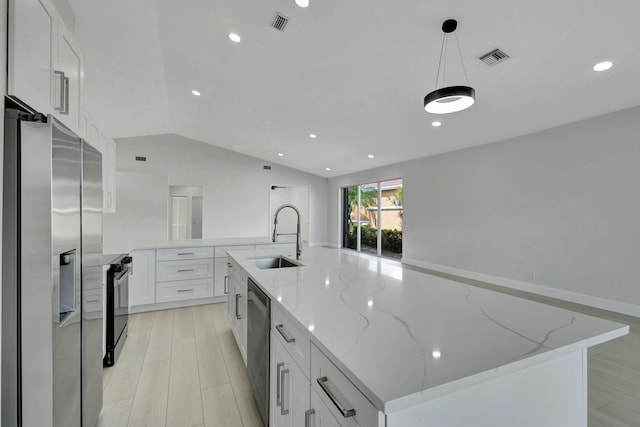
555, 212
235, 191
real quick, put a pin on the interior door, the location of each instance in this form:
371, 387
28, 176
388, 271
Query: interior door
178, 218
196, 217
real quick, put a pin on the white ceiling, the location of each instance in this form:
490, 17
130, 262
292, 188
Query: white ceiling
354, 72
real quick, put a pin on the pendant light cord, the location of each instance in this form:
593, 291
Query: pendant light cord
461, 60
440, 62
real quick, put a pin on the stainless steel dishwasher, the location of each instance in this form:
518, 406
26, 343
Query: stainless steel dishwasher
258, 347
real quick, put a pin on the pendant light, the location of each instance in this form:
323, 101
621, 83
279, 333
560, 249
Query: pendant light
449, 99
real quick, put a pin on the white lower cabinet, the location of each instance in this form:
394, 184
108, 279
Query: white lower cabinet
221, 279
183, 290
289, 388
142, 282
319, 415
236, 311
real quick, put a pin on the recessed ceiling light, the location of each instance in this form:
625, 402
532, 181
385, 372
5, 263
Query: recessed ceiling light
313, 135
234, 37
327, 169
195, 92
281, 154
302, 3
436, 354
371, 156
370, 303
603, 66
436, 124
311, 327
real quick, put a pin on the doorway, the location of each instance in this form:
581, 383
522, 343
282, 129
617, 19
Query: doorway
185, 212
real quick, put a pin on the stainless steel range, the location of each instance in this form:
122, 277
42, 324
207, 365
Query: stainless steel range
117, 313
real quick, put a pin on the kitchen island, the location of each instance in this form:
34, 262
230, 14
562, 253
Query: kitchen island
384, 345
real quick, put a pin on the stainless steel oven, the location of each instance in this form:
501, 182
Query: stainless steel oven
117, 307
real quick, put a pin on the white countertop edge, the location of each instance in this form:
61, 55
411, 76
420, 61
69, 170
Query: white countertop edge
222, 241
452, 387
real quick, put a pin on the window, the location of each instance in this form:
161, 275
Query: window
372, 218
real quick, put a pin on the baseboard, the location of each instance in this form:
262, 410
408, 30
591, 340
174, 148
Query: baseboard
314, 244
575, 297
176, 304
331, 245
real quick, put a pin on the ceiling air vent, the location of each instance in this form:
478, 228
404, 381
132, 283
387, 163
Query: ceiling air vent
494, 57
279, 21
141, 158
267, 168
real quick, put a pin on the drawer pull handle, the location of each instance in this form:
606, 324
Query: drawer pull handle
323, 382
278, 396
185, 270
307, 417
229, 265
226, 284
284, 334
185, 290
185, 253
283, 399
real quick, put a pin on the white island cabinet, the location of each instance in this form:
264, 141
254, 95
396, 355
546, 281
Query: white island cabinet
361, 341
181, 273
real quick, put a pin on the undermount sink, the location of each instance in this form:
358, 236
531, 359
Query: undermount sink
265, 263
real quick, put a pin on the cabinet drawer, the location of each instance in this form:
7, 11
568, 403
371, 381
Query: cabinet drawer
184, 289
174, 254
184, 270
221, 251
294, 338
345, 394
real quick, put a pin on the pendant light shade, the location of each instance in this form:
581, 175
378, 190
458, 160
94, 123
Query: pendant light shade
449, 99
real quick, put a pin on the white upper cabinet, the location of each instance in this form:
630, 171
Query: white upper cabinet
45, 66
33, 33
109, 174
68, 76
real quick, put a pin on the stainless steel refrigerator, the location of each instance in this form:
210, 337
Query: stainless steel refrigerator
51, 275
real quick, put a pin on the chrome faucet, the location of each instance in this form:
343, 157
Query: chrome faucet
297, 233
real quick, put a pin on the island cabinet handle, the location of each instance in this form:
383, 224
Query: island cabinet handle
307, 417
185, 253
280, 328
185, 290
226, 284
278, 397
282, 389
238, 315
185, 270
323, 382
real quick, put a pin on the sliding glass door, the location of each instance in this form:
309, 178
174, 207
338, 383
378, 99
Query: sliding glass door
372, 218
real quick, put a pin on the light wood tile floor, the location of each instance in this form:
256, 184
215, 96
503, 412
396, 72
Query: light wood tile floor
182, 368
179, 368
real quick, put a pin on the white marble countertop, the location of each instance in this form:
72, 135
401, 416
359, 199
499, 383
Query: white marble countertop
403, 337
223, 241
